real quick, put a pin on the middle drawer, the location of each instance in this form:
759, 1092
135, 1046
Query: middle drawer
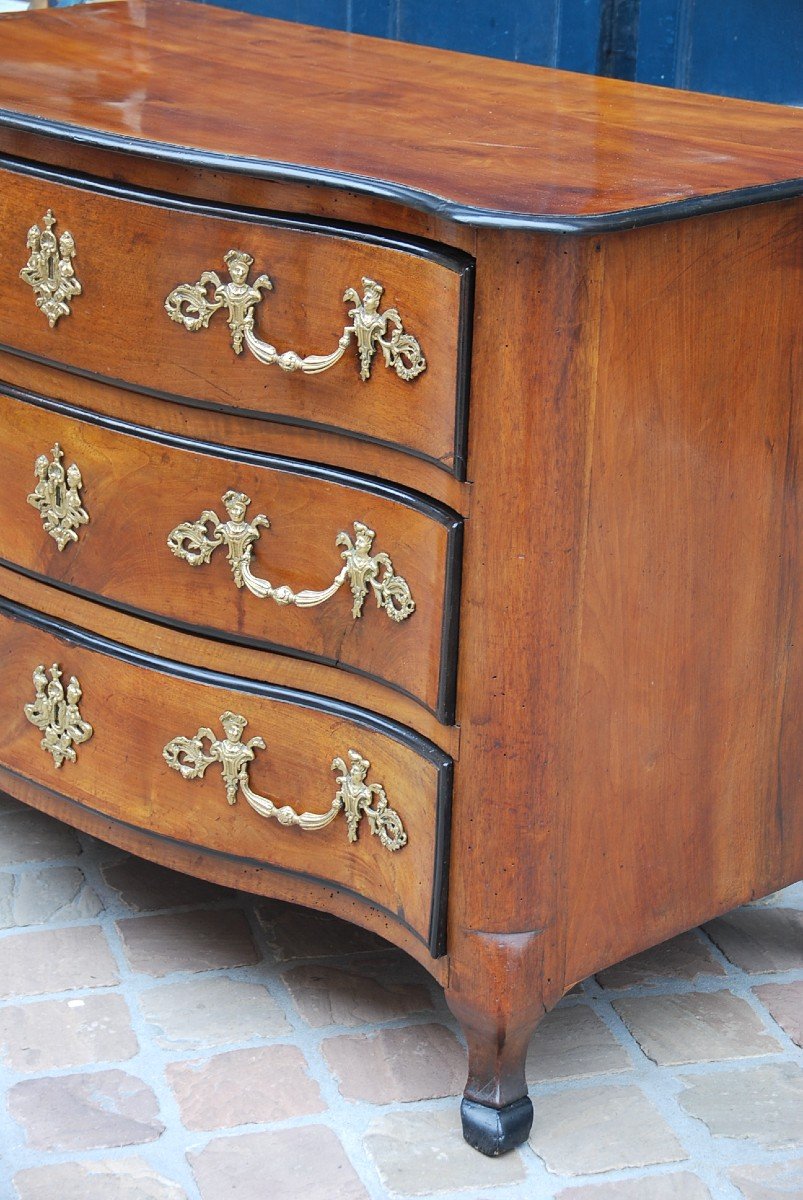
289, 556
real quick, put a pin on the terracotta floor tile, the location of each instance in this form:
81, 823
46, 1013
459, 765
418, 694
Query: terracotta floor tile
415, 1062
99, 1109
294, 1164
202, 940
244, 1087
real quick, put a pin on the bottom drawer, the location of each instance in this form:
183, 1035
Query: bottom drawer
260, 773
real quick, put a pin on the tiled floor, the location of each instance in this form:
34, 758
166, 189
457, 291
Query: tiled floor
164, 1039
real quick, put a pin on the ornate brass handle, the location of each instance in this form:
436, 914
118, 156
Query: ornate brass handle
49, 269
356, 798
57, 496
55, 711
196, 541
193, 305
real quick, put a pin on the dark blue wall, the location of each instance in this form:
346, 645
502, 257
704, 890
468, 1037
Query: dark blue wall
556, 32
751, 48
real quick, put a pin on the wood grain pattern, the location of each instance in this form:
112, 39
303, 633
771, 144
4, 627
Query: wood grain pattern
130, 255
643, 755
229, 429
523, 574
137, 490
689, 684
243, 661
343, 205
375, 115
136, 709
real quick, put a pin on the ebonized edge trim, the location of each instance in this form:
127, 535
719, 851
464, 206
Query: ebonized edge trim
230, 410
409, 497
404, 194
99, 644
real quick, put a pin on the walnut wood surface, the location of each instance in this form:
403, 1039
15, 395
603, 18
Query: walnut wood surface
532, 142
229, 872
243, 661
120, 771
131, 255
136, 491
644, 754
229, 429
523, 574
185, 178
689, 749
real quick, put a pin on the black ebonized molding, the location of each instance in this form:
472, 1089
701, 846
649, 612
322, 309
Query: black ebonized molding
231, 410
98, 644
411, 197
446, 706
444, 709
409, 497
440, 875
465, 336
444, 256
209, 633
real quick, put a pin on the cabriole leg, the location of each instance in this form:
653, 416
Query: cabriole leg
496, 1111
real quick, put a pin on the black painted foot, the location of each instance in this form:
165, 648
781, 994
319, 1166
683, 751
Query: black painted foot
494, 1131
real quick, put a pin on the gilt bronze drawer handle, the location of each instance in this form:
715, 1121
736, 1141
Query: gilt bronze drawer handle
196, 541
57, 496
49, 269
192, 305
56, 713
355, 798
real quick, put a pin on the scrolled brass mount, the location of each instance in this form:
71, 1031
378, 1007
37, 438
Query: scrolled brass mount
354, 797
57, 497
49, 269
194, 304
55, 711
196, 541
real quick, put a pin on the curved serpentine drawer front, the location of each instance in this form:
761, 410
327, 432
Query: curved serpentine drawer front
266, 551
344, 330
264, 774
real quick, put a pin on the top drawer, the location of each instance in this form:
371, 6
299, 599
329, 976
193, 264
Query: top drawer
260, 324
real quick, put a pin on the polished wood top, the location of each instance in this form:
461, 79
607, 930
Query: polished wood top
480, 140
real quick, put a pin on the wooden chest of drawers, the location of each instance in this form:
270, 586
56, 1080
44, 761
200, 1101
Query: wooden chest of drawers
400, 509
